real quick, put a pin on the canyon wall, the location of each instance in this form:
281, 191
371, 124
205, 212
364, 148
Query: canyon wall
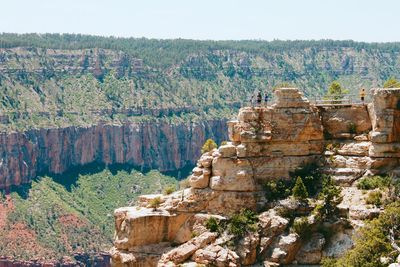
147, 145
267, 144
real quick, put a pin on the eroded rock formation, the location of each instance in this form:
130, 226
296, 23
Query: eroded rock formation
266, 143
162, 146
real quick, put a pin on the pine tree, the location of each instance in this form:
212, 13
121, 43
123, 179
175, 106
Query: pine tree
336, 90
299, 190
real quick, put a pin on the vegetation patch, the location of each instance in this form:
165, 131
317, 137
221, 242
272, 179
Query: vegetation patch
64, 220
242, 223
373, 241
372, 182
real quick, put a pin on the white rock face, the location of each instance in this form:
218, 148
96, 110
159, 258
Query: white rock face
311, 251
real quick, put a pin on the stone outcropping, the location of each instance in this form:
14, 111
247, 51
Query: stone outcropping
266, 143
162, 146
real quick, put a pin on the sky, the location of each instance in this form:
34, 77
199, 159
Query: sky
360, 20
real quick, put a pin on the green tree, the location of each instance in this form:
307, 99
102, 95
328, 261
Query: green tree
208, 146
299, 190
391, 83
336, 91
373, 241
331, 196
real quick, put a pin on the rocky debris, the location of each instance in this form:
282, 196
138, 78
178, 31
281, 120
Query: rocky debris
285, 249
311, 250
338, 244
247, 248
270, 226
186, 250
354, 205
215, 255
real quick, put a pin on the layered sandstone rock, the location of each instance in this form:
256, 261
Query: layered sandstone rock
161, 146
268, 143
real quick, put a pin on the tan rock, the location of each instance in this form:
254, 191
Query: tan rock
216, 255
247, 248
355, 149
286, 249
227, 151
346, 119
185, 251
232, 175
141, 226
311, 251
200, 181
197, 171
205, 160
389, 150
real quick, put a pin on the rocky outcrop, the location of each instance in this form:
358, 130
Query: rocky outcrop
266, 143
162, 146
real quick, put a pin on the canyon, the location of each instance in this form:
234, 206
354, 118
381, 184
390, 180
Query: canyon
347, 142
147, 145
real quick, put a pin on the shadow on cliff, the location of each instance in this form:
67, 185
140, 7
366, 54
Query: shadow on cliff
70, 178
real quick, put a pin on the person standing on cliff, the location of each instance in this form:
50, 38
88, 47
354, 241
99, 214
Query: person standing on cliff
259, 98
362, 95
266, 99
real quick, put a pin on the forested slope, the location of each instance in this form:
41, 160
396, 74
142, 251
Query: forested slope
58, 80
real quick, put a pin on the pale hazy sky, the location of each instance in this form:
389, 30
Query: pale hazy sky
361, 20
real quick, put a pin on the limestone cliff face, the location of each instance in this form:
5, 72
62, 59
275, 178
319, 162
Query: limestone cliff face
160, 146
267, 143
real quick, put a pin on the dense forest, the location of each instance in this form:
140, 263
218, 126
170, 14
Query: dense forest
65, 79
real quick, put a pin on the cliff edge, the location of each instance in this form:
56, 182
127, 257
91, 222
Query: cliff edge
346, 142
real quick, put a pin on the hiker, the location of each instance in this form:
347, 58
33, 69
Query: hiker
259, 98
266, 98
251, 100
362, 95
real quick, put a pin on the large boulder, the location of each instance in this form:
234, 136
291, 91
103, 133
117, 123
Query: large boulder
185, 251
311, 251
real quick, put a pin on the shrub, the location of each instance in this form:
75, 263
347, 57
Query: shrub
277, 189
374, 198
311, 176
169, 189
391, 83
327, 134
373, 182
155, 203
212, 224
299, 190
372, 241
302, 227
208, 146
243, 222
328, 262
330, 194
